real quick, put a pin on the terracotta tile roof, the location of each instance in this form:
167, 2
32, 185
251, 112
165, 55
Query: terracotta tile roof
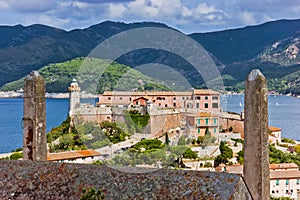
235, 169
72, 155
284, 166
203, 92
160, 93
203, 114
284, 174
206, 114
274, 129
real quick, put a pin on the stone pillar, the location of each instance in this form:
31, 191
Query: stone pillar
256, 146
34, 118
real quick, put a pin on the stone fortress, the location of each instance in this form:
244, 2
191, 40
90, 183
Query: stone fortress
189, 113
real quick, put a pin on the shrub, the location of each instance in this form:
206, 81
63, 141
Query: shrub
207, 164
16, 156
287, 140
91, 194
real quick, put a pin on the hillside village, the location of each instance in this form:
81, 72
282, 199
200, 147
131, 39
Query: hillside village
191, 119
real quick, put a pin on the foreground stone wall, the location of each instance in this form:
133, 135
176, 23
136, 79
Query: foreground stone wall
46, 180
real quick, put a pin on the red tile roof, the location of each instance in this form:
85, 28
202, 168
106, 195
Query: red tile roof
274, 129
289, 174
72, 155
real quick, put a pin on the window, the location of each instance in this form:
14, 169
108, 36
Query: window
298, 181
215, 98
197, 98
215, 105
182, 98
206, 121
129, 98
197, 105
198, 130
277, 182
198, 121
206, 98
286, 181
174, 98
287, 191
174, 104
273, 192
206, 105
108, 98
215, 121
166, 105
121, 98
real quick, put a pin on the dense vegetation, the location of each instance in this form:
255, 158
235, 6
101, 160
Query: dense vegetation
94, 76
135, 121
277, 156
152, 151
226, 154
85, 135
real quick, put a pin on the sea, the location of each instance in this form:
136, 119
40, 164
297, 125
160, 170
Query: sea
284, 112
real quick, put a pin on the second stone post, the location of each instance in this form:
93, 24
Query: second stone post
256, 146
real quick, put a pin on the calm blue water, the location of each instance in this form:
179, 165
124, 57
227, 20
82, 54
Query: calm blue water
284, 112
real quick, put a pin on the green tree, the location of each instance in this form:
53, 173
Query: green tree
167, 140
190, 154
226, 154
200, 139
181, 140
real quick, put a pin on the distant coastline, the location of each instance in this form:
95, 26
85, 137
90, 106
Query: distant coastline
19, 94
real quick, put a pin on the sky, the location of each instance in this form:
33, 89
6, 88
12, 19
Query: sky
186, 15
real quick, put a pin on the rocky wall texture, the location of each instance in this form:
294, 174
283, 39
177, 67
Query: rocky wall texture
48, 180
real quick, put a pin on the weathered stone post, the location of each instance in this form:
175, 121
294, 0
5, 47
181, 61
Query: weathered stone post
34, 118
256, 146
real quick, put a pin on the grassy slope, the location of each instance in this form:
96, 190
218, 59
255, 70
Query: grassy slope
95, 75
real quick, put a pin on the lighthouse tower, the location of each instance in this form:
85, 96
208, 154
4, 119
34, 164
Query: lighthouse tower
74, 96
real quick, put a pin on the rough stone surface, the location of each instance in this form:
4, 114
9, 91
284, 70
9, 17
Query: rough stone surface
47, 180
34, 118
256, 146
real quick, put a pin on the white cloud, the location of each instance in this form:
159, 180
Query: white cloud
116, 10
246, 17
29, 5
203, 8
3, 5
187, 15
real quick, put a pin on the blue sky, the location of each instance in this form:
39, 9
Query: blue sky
186, 15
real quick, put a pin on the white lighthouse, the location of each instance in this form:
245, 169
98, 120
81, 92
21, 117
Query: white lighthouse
74, 96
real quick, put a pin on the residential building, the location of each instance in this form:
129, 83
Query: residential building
197, 124
274, 135
207, 100
284, 178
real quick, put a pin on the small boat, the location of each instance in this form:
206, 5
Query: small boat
241, 105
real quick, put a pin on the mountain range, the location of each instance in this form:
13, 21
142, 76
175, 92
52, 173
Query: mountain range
272, 47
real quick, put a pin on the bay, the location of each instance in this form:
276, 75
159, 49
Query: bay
284, 112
